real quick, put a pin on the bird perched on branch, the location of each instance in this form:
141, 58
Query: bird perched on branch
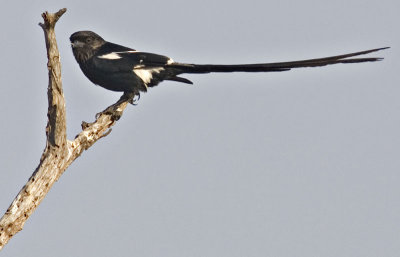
119, 68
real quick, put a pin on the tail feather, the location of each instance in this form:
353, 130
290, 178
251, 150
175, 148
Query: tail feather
278, 66
180, 79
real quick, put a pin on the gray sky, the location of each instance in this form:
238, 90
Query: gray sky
299, 163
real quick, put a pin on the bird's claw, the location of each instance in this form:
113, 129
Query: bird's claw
135, 99
112, 110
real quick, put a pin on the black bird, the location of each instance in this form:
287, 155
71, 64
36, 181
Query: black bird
119, 68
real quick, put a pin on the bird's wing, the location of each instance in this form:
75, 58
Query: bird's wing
125, 67
127, 59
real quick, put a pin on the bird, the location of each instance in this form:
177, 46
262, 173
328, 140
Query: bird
123, 69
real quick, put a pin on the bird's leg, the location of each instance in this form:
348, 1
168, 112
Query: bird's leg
114, 111
127, 97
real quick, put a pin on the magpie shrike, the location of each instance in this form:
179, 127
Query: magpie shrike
119, 68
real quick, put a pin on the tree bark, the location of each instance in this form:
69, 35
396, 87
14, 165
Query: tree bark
59, 152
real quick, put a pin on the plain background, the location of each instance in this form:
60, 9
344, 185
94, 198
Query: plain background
300, 163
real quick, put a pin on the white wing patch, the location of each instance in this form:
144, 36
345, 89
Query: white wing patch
111, 56
146, 74
115, 55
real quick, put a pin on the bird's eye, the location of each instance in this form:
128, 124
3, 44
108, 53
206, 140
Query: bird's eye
88, 40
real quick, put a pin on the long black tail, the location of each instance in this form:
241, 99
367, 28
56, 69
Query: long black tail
271, 67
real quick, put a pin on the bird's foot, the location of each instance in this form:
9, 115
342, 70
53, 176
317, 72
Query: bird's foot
114, 109
134, 99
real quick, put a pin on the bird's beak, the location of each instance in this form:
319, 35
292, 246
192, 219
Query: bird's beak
76, 43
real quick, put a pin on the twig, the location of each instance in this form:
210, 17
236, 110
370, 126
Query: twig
59, 152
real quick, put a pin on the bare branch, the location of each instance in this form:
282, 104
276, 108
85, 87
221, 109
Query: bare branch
59, 153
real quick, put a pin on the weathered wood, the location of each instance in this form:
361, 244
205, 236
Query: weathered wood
59, 152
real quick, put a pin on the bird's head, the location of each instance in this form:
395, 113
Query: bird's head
85, 44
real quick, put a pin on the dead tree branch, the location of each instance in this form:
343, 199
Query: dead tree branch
59, 152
